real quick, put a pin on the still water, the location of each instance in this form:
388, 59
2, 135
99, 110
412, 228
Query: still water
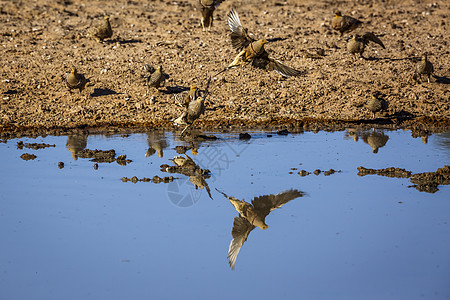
78, 232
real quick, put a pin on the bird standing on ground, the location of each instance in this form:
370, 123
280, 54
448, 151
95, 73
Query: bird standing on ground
375, 105
252, 51
358, 43
208, 7
344, 23
75, 80
102, 32
424, 67
155, 77
252, 216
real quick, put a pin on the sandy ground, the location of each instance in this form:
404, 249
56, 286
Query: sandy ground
40, 40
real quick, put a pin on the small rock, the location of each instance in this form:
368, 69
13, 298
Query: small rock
244, 136
283, 132
28, 156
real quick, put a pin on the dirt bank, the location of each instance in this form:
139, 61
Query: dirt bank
42, 39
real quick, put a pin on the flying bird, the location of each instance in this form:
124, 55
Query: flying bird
344, 23
194, 106
208, 7
252, 51
184, 98
358, 43
252, 216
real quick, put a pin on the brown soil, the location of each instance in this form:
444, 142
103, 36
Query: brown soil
42, 39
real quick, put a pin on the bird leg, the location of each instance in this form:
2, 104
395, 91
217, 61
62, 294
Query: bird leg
238, 60
184, 130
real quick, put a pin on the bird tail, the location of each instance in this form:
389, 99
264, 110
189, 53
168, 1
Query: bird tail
221, 192
369, 36
220, 72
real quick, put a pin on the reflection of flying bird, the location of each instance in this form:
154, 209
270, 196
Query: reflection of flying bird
186, 166
252, 216
358, 43
208, 7
252, 51
344, 23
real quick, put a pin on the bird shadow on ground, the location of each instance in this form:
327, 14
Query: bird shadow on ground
370, 58
130, 41
121, 41
276, 39
102, 92
174, 89
442, 79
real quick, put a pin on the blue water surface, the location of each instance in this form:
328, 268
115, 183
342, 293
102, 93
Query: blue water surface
81, 233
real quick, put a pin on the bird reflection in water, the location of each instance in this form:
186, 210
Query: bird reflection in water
375, 139
186, 166
76, 143
252, 216
156, 143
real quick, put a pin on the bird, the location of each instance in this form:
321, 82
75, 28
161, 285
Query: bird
194, 107
155, 77
197, 176
184, 162
344, 23
76, 143
252, 51
102, 32
424, 67
157, 143
253, 215
375, 105
184, 98
358, 43
375, 140
74, 80
208, 7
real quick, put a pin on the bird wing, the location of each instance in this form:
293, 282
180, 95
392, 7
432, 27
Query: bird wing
267, 203
369, 36
349, 23
267, 62
241, 230
239, 35
182, 99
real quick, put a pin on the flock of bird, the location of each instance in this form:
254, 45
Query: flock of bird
249, 51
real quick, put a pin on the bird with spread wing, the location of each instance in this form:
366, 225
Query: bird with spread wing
252, 51
252, 216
